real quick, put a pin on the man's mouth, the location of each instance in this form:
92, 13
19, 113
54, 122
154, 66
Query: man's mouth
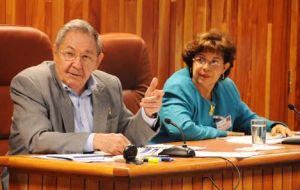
75, 74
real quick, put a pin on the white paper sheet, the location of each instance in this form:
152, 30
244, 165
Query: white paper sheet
77, 157
226, 154
99, 156
256, 148
248, 139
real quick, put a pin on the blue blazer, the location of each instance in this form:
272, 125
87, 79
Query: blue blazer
184, 105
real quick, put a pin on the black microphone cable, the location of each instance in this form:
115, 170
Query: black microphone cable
169, 121
233, 165
237, 170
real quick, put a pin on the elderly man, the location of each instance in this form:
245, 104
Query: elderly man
68, 106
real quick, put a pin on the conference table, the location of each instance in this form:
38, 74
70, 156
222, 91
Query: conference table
271, 169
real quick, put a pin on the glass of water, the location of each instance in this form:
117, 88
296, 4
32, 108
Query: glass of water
258, 131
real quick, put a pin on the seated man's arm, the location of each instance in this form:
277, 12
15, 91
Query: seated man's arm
38, 126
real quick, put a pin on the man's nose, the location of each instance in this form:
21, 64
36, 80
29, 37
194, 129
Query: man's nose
77, 62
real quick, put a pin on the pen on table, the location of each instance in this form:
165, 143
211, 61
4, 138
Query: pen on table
166, 159
158, 159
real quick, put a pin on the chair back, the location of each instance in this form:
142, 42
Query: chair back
126, 56
20, 47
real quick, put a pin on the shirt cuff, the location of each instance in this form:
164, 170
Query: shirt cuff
88, 147
150, 121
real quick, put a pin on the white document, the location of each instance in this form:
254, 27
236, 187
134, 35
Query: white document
225, 154
248, 139
99, 156
152, 149
77, 157
255, 148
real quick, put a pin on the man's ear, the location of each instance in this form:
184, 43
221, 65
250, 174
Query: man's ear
99, 59
54, 52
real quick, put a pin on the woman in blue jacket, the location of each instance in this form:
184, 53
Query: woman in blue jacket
201, 99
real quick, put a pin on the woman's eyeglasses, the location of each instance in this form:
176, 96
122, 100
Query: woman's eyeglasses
202, 61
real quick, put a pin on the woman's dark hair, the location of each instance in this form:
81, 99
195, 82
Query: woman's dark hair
212, 41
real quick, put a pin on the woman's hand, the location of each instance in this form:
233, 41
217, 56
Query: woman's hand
231, 133
283, 130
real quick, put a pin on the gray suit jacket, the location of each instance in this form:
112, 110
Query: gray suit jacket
43, 120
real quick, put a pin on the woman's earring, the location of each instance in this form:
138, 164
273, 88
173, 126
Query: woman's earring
223, 76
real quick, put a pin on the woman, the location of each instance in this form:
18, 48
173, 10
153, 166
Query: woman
201, 99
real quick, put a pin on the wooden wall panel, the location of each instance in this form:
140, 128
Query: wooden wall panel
295, 52
94, 13
259, 77
176, 36
149, 31
266, 33
35, 181
110, 16
73, 9
2, 11
279, 66
163, 40
57, 17
244, 58
270, 177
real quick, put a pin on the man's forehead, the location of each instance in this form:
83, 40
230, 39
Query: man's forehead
72, 41
71, 48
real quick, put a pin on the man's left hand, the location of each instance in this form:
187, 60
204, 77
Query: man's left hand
283, 130
153, 99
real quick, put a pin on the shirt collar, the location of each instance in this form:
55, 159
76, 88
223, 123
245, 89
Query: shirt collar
91, 85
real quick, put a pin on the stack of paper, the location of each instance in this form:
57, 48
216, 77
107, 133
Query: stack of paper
78, 157
248, 139
225, 154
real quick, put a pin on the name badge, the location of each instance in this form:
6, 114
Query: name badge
224, 123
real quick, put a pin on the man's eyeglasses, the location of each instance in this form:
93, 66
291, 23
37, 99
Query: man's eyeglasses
71, 56
202, 61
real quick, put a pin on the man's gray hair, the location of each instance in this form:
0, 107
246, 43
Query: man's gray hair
79, 25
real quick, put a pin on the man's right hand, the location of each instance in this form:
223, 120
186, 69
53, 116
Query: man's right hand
112, 143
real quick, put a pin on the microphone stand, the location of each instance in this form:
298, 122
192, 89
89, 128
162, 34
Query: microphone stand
292, 140
294, 109
183, 151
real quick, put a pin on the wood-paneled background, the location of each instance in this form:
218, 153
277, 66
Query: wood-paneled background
266, 32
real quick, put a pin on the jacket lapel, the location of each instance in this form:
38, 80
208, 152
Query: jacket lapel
101, 108
64, 104
66, 110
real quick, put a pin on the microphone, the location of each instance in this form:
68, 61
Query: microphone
293, 108
130, 153
181, 151
292, 140
169, 121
